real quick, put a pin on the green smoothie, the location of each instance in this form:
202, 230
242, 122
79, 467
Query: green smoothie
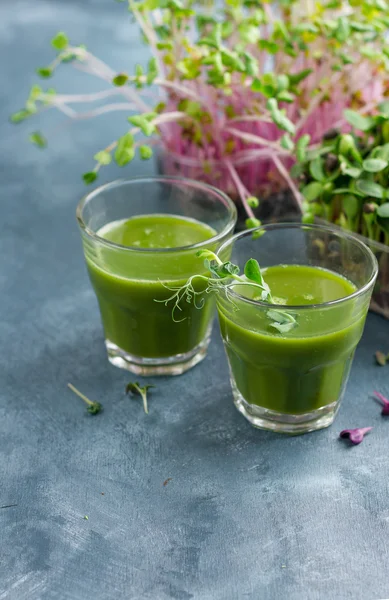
307, 368
129, 283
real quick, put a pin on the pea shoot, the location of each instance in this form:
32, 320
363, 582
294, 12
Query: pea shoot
93, 408
223, 277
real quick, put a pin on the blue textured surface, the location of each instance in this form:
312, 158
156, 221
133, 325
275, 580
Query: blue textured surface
247, 514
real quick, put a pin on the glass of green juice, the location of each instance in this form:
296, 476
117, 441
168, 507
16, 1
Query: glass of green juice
293, 381
140, 238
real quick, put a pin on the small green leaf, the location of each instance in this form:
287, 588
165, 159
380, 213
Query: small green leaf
143, 123
301, 147
44, 72
350, 206
89, 177
374, 165
250, 223
120, 79
253, 202
312, 191
20, 116
358, 121
279, 118
316, 169
383, 210
145, 152
38, 139
285, 97
60, 41
287, 142
282, 321
252, 271
296, 78
103, 157
370, 188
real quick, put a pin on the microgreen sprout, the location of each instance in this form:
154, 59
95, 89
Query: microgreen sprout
223, 276
384, 403
247, 86
355, 435
136, 389
381, 358
93, 407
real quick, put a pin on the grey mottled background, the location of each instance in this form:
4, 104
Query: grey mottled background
247, 514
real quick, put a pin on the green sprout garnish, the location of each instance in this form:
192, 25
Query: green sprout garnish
136, 389
222, 277
93, 407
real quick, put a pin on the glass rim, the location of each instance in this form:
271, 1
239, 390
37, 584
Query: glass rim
158, 179
302, 307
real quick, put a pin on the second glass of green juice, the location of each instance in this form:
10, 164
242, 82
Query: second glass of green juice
289, 361
140, 238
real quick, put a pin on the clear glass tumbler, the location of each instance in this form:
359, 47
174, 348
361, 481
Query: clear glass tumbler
293, 382
131, 283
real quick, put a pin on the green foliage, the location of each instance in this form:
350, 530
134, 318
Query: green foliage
346, 181
38, 139
60, 41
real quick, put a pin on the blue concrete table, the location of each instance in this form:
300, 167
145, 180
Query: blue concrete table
246, 514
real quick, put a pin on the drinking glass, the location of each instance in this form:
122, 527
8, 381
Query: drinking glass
293, 382
131, 283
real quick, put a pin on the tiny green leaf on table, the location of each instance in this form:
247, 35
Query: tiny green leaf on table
136, 389
381, 358
93, 408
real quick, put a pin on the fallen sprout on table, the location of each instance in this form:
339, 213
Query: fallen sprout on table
355, 435
136, 389
384, 402
93, 408
381, 358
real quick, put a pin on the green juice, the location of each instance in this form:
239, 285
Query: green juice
302, 370
129, 284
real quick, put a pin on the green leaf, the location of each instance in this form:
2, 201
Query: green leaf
250, 223
279, 118
152, 68
316, 169
252, 201
145, 152
221, 271
20, 116
370, 188
383, 210
60, 41
282, 321
252, 271
296, 78
38, 139
125, 150
350, 206
143, 123
374, 165
285, 97
348, 169
44, 72
358, 121
89, 177
287, 142
103, 157
269, 46
312, 191
120, 79
301, 146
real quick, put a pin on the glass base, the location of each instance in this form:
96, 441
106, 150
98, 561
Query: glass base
264, 418
171, 365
